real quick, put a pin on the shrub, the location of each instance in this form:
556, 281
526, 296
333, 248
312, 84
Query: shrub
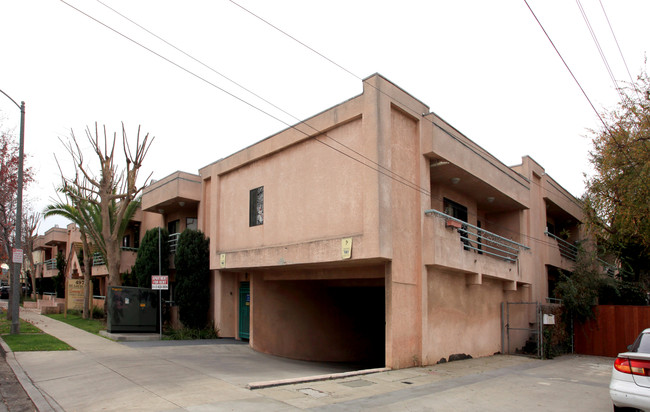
146, 263
192, 263
98, 312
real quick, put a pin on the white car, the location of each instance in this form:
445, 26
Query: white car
630, 384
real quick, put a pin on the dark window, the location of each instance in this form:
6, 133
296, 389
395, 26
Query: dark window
136, 237
458, 211
550, 227
256, 207
191, 223
173, 226
454, 209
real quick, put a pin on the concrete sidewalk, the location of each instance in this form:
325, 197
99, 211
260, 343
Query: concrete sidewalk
166, 375
204, 376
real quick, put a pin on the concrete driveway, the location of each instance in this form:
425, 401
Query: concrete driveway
214, 375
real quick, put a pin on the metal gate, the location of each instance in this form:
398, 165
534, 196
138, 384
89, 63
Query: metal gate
518, 328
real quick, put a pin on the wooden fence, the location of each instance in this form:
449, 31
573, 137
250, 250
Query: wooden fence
614, 328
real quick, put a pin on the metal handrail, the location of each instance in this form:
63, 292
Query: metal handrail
98, 259
478, 239
50, 264
567, 250
570, 252
173, 242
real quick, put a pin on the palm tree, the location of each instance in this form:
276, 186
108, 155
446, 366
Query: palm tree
87, 216
74, 214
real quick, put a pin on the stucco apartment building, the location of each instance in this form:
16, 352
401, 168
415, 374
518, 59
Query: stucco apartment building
373, 232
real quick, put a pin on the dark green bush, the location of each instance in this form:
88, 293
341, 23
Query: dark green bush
146, 263
192, 292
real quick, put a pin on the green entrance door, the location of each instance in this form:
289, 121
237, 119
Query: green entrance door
244, 310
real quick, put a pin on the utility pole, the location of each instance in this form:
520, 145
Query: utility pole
17, 257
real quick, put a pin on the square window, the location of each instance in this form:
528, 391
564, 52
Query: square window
256, 207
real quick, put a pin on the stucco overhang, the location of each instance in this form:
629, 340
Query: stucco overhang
55, 236
488, 197
174, 192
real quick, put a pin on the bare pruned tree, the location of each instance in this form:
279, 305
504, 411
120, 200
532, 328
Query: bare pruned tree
113, 190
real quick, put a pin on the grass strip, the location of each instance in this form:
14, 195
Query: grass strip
30, 337
75, 319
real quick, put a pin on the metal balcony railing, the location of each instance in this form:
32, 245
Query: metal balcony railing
50, 264
98, 259
173, 242
480, 240
570, 251
567, 250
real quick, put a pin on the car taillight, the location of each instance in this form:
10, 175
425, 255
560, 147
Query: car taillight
633, 366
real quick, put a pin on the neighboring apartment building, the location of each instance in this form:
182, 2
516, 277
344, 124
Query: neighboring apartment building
68, 242
372, 232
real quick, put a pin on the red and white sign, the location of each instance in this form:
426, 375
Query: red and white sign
17, 256
159, 282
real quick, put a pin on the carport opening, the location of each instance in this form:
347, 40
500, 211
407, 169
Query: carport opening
335, 320
362, 318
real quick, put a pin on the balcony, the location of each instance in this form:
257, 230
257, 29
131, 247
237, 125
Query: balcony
173, 194
569, 252
480, 240
49, 268
463, 247
127, 261
50, 264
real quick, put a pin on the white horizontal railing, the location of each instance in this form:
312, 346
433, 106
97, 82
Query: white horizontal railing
98, 259
567, 250
480, 240
50, 264
173, 242
570, 251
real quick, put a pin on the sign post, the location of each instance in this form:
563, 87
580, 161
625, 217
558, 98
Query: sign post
160, 283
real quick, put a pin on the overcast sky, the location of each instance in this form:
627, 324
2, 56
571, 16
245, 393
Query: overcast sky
486, 67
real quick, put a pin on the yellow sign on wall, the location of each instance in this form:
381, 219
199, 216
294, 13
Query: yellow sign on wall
346, 248
222, 260
75, 294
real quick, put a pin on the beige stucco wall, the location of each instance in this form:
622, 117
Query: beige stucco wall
464, 318
364, 170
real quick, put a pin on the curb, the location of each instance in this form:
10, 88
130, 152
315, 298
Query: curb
316, 378
42, 402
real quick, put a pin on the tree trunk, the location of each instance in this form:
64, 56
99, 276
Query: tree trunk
88, 268
113, 257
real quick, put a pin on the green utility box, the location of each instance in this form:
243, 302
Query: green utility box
131, 309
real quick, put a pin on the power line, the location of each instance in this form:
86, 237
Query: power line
359, 78
388, 173
611, 29
600, 50
298, 120
566, 65
607, 128
393, 174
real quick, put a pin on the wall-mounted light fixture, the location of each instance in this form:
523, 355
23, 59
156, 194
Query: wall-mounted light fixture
490, 199
455, 180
